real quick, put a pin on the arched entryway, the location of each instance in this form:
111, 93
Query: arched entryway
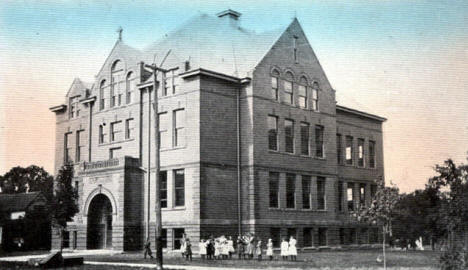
99, 230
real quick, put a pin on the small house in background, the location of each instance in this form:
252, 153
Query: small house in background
24, 222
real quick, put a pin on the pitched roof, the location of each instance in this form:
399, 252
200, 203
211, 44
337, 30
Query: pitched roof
213, 43
78, 86
17, 201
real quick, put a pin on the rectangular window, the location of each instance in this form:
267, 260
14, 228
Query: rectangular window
274, 189
339, 149
102, 134
292, 232
164, 138
361, 152
115, 131
66, 239
302, 89
305, 138
164, 238
79, 145
179, 123
290, 190
113, 96
315, 99
129, 128
308, 237
289, 135
274, 88
321, 198
350, 196
129, 87
322, 236
74, 107
362, 194
67, 148
178, 234
275, 234
371, 154
288, 92
115, 152
179, 187
349, 150
102, 98
163, 193
319, 142
306, 196
273, 132
340, 196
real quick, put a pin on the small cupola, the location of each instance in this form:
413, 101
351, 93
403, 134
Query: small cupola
230, 15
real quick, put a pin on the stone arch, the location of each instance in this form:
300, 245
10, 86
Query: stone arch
104, 191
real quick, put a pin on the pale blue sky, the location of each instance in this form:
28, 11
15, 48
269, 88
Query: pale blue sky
404, 60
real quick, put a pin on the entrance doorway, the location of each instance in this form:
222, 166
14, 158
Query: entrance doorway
99, 230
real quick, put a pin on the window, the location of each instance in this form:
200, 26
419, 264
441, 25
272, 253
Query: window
275, 234
352, 236
342, 236
306, 196
164, 138
292, 232
321, 193
117, 70
362, 194
350, 196
273, 132
102, 98
319, 142
164, 238
289, 135
129, 128
371, 154
179, 123
349, 150
274, 84
129, 87
74, 107
163, 193
361, 152
67, 148
178, 235
79, 145
340, 196
102, 134
115, 152
179, 187
339, 149
66, 239
363, 236
171, 82
307, 237
373, 190
274, 189
302, 89
322, 236
315, 100
115, 131
288, 88
290, 190
305, 138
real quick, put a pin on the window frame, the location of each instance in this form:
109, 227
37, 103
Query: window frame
372, 156
275, 81
177, 203
361, 153
164, 131
315, 96
129, 127
178, 132
349, 161
306, 193
339, 149
163, 189
290, 191
319, 141
289, 145
288, 85
321, 193
273, 190
305, 140
270, 134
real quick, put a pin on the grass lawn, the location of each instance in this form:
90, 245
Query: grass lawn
364, 259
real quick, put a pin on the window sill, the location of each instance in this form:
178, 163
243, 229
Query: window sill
173, 148
116, 142
178, 208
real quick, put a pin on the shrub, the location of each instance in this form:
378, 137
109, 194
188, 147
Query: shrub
452, 259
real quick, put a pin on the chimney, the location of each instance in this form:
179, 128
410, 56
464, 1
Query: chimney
231, 15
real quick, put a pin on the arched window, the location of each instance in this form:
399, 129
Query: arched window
102, 98
315, 100
302, 89
274, 84
129, 87
117, 71
288, 88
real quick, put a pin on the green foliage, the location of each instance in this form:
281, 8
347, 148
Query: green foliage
65, 198
453, 259
18, 179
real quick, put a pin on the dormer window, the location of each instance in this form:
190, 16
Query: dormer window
74, 107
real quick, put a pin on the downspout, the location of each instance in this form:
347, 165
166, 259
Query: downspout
149, 165
89, 130
239, 177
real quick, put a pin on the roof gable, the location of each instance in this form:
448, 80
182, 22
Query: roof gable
19, 201
78, 88
121, 51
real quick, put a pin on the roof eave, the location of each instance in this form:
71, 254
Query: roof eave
58, 108
361, 113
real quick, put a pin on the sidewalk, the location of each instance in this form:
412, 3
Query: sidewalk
65, 253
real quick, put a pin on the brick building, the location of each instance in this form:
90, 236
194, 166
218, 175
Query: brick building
251, 139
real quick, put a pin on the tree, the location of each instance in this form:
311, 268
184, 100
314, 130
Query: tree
64, 204
381, 211
32, 178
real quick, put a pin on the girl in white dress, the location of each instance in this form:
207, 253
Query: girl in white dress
269, 251
284, 249
292, 251
230, 244
258, 250
202, 249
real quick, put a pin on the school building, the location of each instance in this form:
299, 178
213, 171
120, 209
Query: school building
251, 138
